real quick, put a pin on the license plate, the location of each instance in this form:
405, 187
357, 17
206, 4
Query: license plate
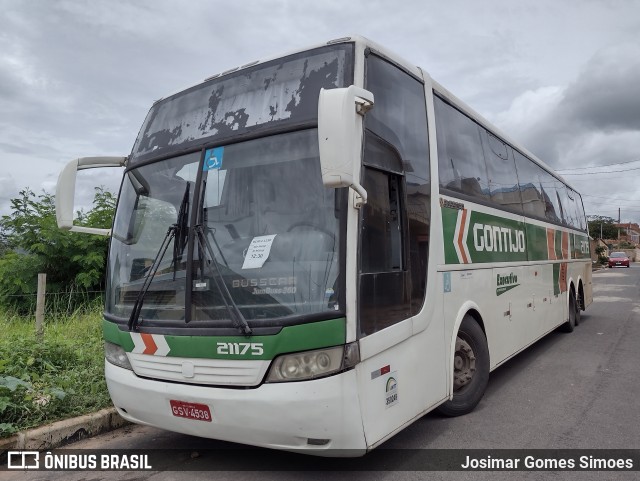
183, 409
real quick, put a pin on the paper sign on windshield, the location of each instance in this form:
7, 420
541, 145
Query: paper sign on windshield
258, 251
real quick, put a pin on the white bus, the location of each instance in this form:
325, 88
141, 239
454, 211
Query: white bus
311, 252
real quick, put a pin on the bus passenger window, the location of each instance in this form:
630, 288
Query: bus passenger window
460, 158
531, 190
501, 171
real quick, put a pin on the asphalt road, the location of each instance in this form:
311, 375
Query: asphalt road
577, 390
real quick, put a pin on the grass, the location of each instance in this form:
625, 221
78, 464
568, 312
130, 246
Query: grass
58, 377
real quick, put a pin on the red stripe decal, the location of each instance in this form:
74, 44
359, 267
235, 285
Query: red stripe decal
562, 280
463, 221
565, 245
551, 244
150, 344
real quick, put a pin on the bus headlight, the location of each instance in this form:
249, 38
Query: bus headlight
311, 364
116, 355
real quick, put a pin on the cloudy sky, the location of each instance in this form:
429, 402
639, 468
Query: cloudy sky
563, 77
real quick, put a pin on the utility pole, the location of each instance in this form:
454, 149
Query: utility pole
618, 224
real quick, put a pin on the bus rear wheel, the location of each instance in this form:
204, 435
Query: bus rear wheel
574, 313
470, 369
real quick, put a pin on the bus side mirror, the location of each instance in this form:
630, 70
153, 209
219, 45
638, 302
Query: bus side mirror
66, 189
340, 115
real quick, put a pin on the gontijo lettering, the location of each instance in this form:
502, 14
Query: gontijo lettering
498, 239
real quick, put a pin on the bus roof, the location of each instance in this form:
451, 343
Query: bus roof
362, 43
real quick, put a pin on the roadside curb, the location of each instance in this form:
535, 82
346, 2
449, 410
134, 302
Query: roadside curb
64, 432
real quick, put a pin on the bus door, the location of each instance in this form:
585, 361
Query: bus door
400, 373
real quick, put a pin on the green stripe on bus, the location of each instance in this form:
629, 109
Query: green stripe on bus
113, 334
490, 238
301, 337
537, 243
495, 239
580, 246
449, 218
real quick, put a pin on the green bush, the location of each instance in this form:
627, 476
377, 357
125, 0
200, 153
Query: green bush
60, 376
31, 242
601, 252
625, 245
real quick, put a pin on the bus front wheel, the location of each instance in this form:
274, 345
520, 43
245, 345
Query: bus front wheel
470, 369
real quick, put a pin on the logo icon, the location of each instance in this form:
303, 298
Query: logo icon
391, 394
505, 283
213, 159
23, 460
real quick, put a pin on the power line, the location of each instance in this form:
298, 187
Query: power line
607, 172
617, 202
598, 166
609, 198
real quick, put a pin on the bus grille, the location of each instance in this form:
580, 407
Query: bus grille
218, 372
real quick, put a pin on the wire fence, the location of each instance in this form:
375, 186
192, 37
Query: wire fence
55, 303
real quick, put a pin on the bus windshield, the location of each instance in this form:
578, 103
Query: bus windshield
266, 235
280, 94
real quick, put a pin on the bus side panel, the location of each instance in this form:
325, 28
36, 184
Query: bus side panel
403, 381
510, 309
468, 290
587, 285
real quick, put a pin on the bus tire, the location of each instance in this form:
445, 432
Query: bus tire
470, 370
579, 302
574, 309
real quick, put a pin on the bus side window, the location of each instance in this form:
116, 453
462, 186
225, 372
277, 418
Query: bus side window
553, 208
533, 202
571, 208
501, 171
582, 221
461, 161
384, 297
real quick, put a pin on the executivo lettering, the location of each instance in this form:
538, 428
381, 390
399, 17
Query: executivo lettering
505, 283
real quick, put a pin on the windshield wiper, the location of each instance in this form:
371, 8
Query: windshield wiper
177, 231
234, 312
182, 232
137, 306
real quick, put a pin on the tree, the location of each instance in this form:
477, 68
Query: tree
35, 244
602, 227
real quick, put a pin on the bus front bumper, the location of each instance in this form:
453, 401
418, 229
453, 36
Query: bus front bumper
319, 417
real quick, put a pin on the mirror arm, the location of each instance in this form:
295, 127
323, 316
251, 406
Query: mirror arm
363, 106
361, 195
66, 187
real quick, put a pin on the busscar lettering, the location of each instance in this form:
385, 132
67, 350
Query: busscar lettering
488, 238
264, 282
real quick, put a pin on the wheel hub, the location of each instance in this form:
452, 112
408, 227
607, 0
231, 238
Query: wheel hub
464, 364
